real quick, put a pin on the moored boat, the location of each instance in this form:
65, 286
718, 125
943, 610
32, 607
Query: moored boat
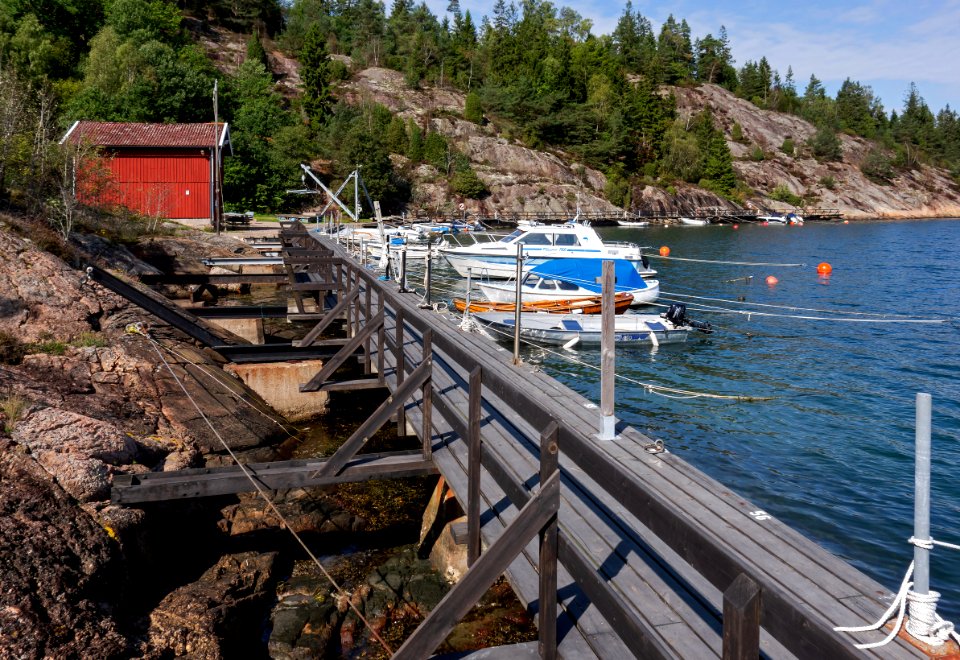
672, 327
590, 305
558, 279
694, 222
498, 259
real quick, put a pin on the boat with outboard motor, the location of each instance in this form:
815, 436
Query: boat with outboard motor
671, 327
556, 279
497, 259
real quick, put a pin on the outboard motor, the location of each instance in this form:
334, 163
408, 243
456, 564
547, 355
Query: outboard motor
676, 314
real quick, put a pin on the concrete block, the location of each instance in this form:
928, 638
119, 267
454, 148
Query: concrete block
279, 385
249, 329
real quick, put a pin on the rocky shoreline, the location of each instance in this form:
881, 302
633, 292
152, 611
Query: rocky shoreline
82, 400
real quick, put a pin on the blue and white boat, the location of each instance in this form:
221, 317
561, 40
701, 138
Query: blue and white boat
559, 279
568, 330
498, 259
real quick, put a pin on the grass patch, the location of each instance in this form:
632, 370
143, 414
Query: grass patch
90, 339
13, 408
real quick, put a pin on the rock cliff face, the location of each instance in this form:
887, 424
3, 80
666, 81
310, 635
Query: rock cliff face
525, 180
923, 192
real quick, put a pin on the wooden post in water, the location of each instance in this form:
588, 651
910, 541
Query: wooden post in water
607, 354
516, 313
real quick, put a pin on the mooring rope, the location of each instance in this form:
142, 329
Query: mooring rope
726, 263
214, 378
924, 623
140, 329
661, 390
750, 313
786, 307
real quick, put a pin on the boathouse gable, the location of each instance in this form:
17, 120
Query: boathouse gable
158, 170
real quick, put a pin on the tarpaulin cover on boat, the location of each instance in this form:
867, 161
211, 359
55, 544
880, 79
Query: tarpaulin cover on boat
586, 272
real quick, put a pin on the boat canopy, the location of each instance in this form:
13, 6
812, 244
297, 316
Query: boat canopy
587, 273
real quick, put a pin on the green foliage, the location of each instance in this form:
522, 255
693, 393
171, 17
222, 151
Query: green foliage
13, 406
828, 182
144, 21
878, 165
12, 349
466, 182
436, 152
314, 72
826, 145
783, 194
415, 146
472, 110
756, 154
617, 190
736, 133
255, 50
90, 340
396, 138
788, 147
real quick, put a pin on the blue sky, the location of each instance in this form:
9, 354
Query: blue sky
886, 44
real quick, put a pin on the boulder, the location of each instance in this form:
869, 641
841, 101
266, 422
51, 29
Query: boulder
61, 573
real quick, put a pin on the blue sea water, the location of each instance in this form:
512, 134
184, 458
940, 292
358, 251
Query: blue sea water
832, 453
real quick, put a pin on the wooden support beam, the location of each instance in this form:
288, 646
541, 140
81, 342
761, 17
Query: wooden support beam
549, 466
741, 620
334, 313
380, 416
471, 587
278, 475
337, 361
426, 433
351, 385
473, 465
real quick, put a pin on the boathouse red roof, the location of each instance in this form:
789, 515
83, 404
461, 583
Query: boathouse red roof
133, 135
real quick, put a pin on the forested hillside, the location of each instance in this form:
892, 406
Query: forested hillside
531, 76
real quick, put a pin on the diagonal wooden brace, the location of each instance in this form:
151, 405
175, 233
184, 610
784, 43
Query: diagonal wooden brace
535, 515
343, 354
338, 309
379, 417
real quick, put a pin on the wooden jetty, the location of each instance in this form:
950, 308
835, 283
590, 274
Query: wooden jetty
621, 549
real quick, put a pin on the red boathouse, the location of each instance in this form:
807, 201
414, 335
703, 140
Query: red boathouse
162, 170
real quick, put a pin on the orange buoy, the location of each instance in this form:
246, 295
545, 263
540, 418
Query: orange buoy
664, 251
736, 226
846, 222
771, 280
824, 268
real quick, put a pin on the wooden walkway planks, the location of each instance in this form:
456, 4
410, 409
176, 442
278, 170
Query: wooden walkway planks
699, 493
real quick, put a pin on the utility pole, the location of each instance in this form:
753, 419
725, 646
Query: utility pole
216, 161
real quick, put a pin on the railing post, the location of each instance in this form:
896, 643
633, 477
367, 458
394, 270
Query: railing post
516, 313
403, 268
428, 397
549, 462
473, 465
741, 619
400, 359
367, 304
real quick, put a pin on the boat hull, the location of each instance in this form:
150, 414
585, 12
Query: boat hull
588, 305
505, 293
562, 329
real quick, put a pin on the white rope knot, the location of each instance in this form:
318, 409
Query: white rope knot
924, 623
926, 544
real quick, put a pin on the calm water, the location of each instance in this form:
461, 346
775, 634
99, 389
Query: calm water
832, 453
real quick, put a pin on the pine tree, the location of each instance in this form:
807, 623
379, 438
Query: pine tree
314, 71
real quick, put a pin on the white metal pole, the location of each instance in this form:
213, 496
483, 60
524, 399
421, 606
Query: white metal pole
921, 501
607, 354
516, 313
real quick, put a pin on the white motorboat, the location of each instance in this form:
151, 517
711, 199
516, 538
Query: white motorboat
498, 258
568, 330
632, 223
560, 279
694, 222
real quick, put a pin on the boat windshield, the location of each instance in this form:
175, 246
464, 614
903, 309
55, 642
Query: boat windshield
536, 239
509, 238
